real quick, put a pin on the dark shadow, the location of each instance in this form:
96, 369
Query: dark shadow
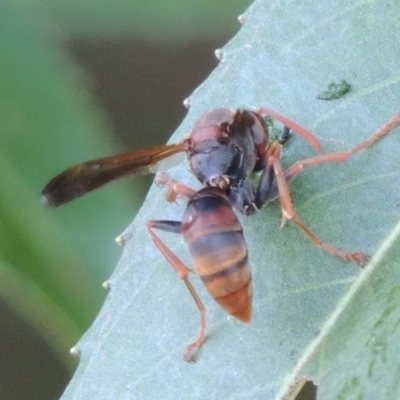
308, 392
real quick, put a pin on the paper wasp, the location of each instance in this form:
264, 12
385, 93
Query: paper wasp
223, 149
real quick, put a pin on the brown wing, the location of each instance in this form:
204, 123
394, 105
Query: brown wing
83, 178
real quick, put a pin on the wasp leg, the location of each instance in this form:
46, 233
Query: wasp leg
303, 132
183, 273
174, 188
297, 167
289, 213
343, 156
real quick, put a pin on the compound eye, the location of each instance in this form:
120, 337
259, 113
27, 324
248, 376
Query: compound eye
260, 130
208, 133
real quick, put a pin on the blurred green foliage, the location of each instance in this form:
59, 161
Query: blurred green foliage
156, 20
48, 272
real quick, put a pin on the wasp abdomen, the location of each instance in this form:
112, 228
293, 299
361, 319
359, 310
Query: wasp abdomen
216, 243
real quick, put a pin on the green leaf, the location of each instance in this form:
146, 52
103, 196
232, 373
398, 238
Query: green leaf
362, 334
285, 55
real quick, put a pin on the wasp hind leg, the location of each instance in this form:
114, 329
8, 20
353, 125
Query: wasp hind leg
183, 272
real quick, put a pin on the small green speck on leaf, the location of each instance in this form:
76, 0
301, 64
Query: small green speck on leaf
335, 91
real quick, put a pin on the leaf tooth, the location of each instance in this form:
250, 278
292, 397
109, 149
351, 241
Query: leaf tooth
75, 351
219, 54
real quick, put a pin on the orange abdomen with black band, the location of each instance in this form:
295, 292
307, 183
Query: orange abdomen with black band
218, 250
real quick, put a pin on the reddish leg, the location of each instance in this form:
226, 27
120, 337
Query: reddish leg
307, 135
174, 188
183, 272
297, 167
289, 213
291, 173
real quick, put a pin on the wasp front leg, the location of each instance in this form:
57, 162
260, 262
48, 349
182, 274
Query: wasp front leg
183, 272
297, 167
289, 124
343, 156
175, 188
